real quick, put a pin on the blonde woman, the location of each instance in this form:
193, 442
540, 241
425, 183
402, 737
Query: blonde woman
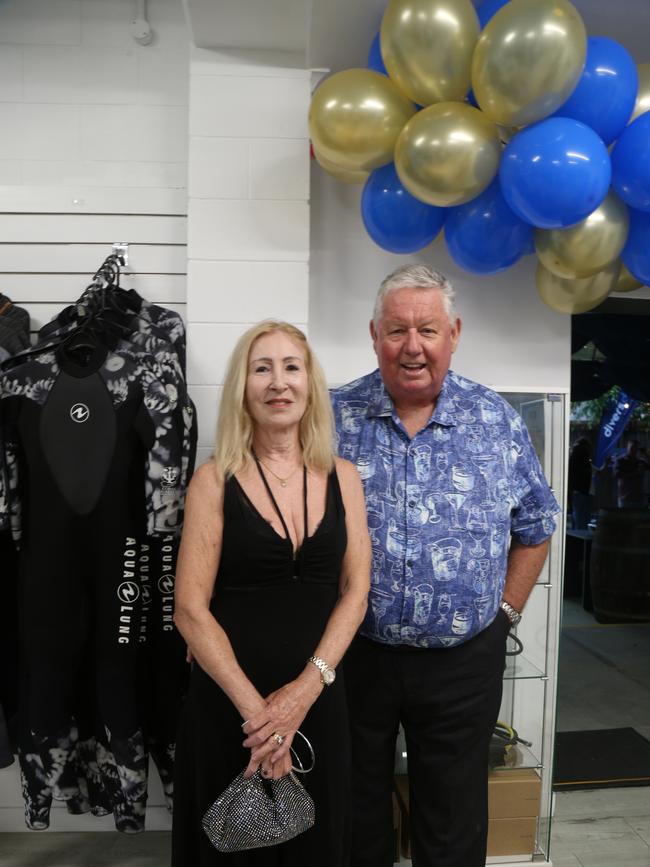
272, 581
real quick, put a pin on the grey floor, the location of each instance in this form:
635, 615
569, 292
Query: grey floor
106, 849
604, 675
604, 683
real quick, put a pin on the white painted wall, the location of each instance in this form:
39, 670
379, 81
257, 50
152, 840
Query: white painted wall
248, 217
82, 104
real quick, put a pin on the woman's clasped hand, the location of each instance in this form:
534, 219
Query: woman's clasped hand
282, 716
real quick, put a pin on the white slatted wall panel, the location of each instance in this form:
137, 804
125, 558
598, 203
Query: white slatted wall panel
47, 259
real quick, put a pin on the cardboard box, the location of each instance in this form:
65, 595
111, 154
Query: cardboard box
513, 807
514, 793
513, 800
512, 836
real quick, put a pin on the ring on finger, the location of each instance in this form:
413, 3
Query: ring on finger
278, 738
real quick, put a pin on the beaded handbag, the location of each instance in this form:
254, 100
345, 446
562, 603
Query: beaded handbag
255, 812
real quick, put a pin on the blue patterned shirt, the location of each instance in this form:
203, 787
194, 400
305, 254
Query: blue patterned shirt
442, 507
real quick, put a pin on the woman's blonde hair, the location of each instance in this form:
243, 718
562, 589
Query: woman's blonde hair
234, 444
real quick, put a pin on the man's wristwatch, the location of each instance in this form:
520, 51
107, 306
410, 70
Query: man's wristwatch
327, 674
511, 613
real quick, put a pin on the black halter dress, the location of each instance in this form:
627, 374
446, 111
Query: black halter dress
274, 607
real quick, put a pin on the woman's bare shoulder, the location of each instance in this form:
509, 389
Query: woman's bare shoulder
345, 468
207, 482
348, 474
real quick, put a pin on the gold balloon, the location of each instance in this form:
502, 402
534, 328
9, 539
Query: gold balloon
626, 282
576, 295
355, 118
507, 133
345, 175
447, 154
528, 59
427, 46
588, 246
642, 103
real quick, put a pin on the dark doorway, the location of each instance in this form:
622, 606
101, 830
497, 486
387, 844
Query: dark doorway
604, 675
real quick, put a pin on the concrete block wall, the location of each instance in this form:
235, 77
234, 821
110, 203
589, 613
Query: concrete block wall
248, 213
82, 104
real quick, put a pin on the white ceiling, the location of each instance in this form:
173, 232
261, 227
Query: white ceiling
337, 33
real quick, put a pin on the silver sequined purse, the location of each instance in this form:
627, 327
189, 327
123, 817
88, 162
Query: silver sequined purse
256, 812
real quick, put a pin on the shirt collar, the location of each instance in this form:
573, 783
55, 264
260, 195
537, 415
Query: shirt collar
380, 402
445, 411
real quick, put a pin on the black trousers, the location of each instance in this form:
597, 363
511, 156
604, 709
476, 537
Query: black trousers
447, 701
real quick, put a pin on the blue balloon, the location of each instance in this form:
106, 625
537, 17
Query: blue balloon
530, 246
606, 91
375, 60
636, 252
488, 10
484, 236
555, 173
631, 164
394, 219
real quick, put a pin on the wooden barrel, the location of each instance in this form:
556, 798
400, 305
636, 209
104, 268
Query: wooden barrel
620, 565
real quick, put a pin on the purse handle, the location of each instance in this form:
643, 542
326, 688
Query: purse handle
301, 769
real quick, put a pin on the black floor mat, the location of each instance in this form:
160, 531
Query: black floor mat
601, 759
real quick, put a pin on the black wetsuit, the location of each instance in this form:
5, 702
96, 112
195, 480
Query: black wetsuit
153, 332
94, 449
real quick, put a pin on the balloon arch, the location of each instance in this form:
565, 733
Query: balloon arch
509, 129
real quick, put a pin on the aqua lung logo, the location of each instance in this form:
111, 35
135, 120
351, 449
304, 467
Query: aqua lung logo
166, 585
128, 592
80, 413
170, 477
145, 591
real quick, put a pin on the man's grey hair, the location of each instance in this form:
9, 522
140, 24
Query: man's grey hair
418, 277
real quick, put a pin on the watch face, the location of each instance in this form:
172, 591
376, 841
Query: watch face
329, 677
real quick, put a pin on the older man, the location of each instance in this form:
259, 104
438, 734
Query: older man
460, 516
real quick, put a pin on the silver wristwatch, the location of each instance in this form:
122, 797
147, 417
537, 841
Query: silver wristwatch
327, 674
512, 614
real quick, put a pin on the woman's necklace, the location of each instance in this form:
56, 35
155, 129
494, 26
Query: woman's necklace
283, 481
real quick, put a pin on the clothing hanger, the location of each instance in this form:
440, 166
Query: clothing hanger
81, 339
87, 310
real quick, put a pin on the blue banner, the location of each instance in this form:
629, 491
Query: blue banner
612, 424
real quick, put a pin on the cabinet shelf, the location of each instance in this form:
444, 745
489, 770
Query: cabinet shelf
519, 667
519, 756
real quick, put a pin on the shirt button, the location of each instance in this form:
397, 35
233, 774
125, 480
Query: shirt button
411, 504
409, 562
